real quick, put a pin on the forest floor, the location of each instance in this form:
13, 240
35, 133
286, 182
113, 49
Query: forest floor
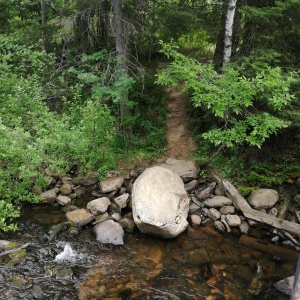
181, 144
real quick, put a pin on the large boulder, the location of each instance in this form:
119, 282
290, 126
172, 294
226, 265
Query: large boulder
263, 198
160, 203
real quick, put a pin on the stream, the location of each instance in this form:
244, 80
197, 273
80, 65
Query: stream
199, 264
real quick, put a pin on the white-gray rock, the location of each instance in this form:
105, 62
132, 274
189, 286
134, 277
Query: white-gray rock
263, 198
122, 200
109, 232
285, 285
111, 184
219, 226
98, 206
160, 203
63, 200
193, 208
217, 201
187, 170
116, 217
225, 210
214, 214
233, 220
195, 220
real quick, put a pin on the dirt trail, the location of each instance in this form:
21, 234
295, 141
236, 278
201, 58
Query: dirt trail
181, 144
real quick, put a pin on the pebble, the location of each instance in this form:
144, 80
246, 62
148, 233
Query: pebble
219, 226
214, 214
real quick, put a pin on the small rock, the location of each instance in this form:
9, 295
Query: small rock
193, 208
127, 224
296, 199
217, 201
63, 200
219, 226
49, 196
111, 184
196, 201
205, 193
122, 200
225, 210
113, 208
233, 220
263, 198
285, 285
244, 227
101, 218
116, 217
89, 180
195, 220
226, 225
273, 212
98, 206
79, 191
214, 214
66, 189
275, 239
219, 191
79, 217
191, 186
109, 232
288, 244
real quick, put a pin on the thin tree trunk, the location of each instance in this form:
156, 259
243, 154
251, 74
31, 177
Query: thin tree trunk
228, 32
43, 23
121, 65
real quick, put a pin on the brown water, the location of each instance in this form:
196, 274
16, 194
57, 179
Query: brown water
199, 264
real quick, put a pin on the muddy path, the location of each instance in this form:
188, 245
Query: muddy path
181, 144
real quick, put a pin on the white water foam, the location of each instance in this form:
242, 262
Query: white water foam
68, 254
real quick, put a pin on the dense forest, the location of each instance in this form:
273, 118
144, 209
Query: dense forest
82, 88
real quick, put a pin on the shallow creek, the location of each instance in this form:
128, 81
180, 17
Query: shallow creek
199, 264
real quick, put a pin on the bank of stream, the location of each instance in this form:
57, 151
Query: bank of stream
199, 264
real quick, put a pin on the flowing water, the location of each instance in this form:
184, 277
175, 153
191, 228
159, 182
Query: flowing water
199, 264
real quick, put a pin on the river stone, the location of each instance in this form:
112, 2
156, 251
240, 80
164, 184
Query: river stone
263, 198
66, 189
217, 201
109, 232
225, 210
160, 203
219, 226
127, 224
79, 217
192, 185
49, 196
195, 220
122, 200
98, 206
186, 169
111, 184
214, 214
89, 180
233, 220
63, 200
244, 227
285, 285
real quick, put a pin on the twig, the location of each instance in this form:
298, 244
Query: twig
14, 250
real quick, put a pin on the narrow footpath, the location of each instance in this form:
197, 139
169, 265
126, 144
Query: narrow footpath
181, 144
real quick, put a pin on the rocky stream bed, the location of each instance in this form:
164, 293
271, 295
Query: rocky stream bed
82, 242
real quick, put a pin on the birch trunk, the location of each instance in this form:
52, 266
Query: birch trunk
228, 32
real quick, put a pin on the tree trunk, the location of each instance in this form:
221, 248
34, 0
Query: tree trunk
43, 23
121, 64
228, 32
218, 55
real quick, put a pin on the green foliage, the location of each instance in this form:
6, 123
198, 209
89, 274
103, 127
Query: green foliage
244, 108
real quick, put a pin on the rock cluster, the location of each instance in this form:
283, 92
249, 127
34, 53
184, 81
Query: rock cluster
161, 202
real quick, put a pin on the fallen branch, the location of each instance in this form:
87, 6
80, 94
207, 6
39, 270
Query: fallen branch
241, 204
14, 250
